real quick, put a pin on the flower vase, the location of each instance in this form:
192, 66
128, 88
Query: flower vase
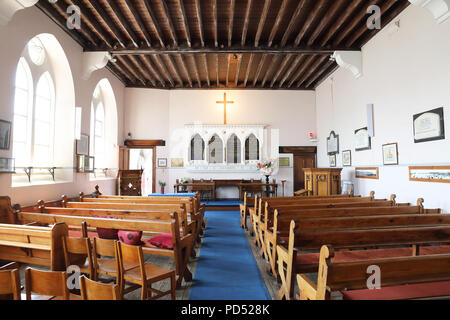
162, 190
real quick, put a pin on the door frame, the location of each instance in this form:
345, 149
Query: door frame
300, 151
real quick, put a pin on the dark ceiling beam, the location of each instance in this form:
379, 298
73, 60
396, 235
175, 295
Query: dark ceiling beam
162, 66
358, 18
259, 68
324, 75
217, 71
246, 21
123, 62
340, 21
249, 68
291, 69
226, 50
238, 71
358, 33
198, 12
61, 21
262, 21
155, 23
276, 25
167, 17
291, 24
214, 12
142, 75
230, 23
304, 66
152, 67
110, 23
197, 74
123, 22
228, 70
317, 73
136, 15
182, 14
87, 15
185, 69
283, 64
274, 59
175, 69
116, 72
319, 4
325, 21
149, 71
205, 64
310, 70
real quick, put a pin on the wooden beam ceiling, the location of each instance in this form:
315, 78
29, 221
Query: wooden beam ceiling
257, 44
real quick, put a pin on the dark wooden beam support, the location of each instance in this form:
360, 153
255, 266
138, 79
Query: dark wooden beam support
249, 68
283, 64
152, 67
259, 68
124, 22
276, 25
172, 32
149, 71
110, 23
228, 70
205, 64
185, 69
262, 21
182, 14
197, 74
162, 66
116, 72
214, 12
246, 21
124, 65
198, 12
291, 24
274, 60
304, 66
175, 69
310, 70
330, 16
141, 75
291, 69
319, 4
317, 73
238, 71
131, 6
217, 71
155, 23
230, 22
324, 75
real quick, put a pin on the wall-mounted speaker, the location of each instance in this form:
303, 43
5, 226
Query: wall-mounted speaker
370, 124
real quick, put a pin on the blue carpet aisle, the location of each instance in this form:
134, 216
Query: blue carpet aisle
226, 269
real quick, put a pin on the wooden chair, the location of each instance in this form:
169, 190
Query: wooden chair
78, 251
9, 283
48, 285
145, 274
105, 260
92, 290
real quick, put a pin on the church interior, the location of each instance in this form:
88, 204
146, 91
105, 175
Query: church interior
224, 150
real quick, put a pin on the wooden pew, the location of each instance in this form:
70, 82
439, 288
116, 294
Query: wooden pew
276, 232
291, 262
244, 209
181, 246
426, 276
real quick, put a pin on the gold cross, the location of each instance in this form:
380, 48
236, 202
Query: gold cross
225, 107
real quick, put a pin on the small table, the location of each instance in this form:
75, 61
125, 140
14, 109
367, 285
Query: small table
267, 186
206, 186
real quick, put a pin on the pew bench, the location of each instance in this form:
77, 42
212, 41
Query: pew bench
401, 278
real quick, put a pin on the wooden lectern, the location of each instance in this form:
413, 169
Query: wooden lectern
129, 182
322, 182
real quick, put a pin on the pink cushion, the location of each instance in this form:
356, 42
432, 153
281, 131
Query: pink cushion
409, 291
163, 240
105, 233
130, 237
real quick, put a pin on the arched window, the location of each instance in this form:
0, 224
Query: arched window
251, 148
23, 105
98, 128
215, 146
197, 150
233, 149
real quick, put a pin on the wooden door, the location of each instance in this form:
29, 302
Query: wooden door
300, 162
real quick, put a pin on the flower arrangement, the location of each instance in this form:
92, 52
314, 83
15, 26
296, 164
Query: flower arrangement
184, 180
266, 167
162, 184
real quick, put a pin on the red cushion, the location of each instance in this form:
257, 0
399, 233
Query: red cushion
163, 240
410, 291
105, 233
130, 237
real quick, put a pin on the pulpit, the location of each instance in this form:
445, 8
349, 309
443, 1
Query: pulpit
322, 182
129, 182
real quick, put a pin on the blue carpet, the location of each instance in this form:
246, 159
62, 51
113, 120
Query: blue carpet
226, 268
223, 203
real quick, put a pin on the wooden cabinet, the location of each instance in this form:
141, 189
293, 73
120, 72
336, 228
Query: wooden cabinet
129, 182
322, 182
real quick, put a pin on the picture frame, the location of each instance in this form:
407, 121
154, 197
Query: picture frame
162, 162
429, 126
347, 158
284, 162
362, 139
332, 160
5, 135
333, 143
83, 145
177, 163
440, 174
85, 164
390, 154
367, 173
7, 165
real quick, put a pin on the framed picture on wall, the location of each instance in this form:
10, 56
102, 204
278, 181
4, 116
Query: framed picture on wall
5, 134
7, 165
332, 160
347, 158
390, 154
429, 126
362, 139
332, 143
367, 173
162, 163
83, 145
439, 174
